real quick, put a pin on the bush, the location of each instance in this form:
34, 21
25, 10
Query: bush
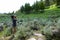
35, 25
7, 31
23, 33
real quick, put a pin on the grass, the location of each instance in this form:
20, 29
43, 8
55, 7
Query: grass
1, 34
46, 14
53, 10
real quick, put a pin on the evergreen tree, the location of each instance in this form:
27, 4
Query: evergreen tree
38, 6
42, 6
52, 2
47, 2
35, 6
27, 8
22, 8
58, 2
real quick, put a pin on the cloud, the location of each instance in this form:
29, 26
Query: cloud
13, 5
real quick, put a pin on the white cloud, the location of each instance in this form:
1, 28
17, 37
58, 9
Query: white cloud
12, 5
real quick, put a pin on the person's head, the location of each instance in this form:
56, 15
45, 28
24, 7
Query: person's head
13, 16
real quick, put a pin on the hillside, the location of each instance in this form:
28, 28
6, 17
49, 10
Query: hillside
27, 28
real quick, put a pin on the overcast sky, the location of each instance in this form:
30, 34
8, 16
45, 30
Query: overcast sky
13, 5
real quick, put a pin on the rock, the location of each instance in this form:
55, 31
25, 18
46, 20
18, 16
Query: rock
37, 34
32, 39
40, 39
2, 38
1, 24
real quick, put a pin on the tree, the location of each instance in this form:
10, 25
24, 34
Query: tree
52, 2
42, 6
27, 8
38, 6
47, 2
58, 2
35, 6
22, 8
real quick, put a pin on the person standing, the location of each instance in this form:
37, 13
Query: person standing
13, 23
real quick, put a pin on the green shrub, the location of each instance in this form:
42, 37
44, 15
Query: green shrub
23, 33
7, 31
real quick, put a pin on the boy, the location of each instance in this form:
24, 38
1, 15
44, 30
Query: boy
14, 23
